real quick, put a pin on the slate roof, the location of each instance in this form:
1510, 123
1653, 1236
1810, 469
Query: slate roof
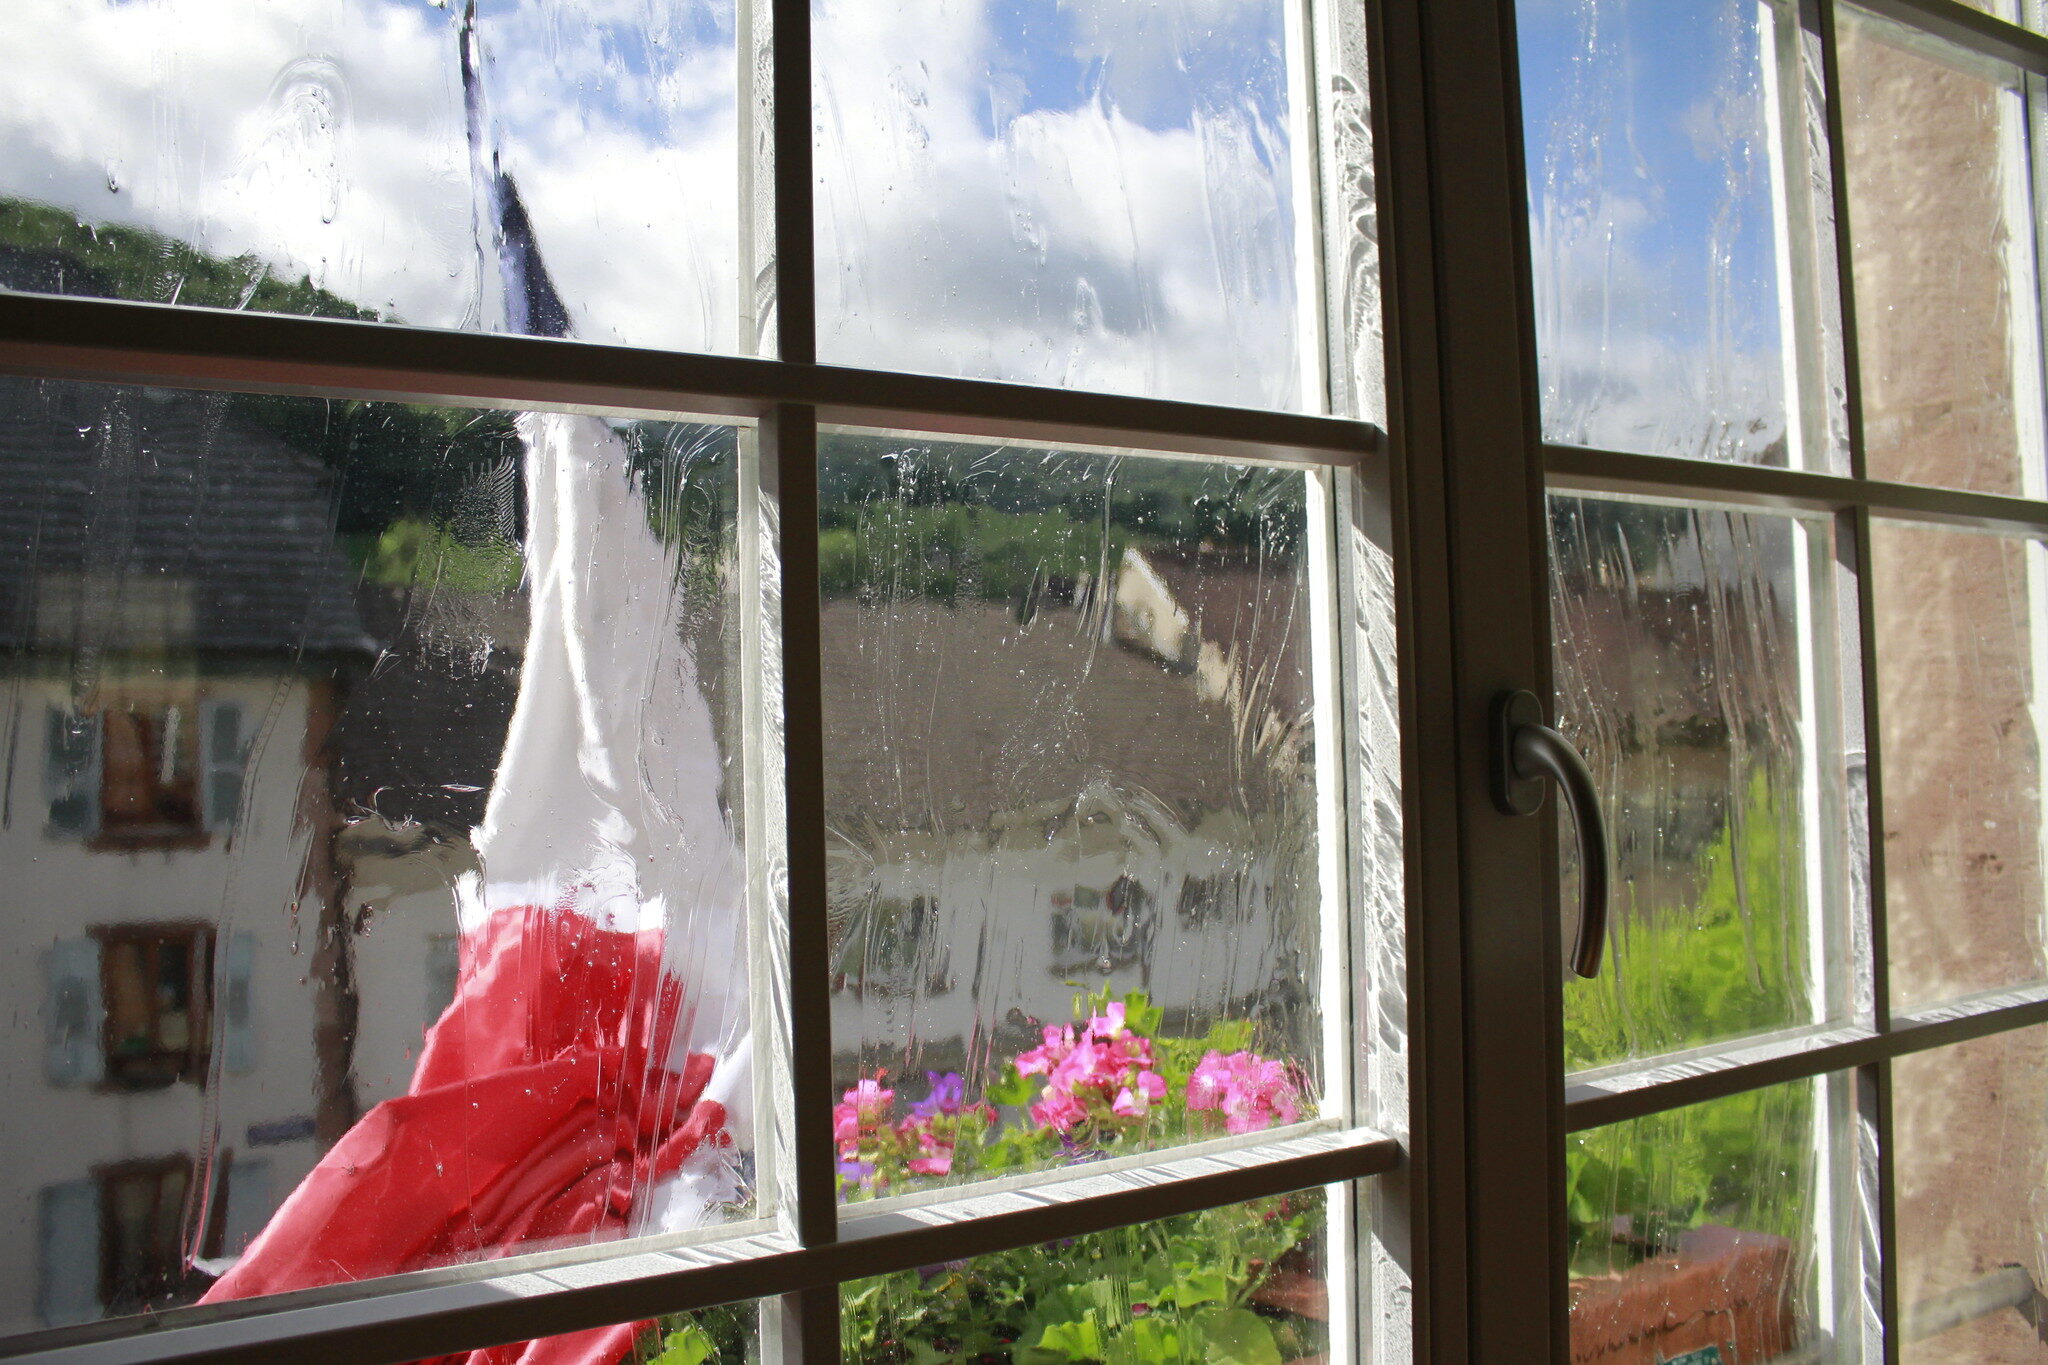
131, 517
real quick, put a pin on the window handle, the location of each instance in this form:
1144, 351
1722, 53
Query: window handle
1525, 751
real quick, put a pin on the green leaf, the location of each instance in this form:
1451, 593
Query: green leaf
1011, 1088
1233, 1336
689, 1346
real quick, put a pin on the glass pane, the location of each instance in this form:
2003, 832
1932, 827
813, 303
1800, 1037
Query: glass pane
424, 954
1070, 777
1971, 1165
1085, 194
1681, 633
1702, 1228
1959, 690
1943, 258
1248, 1282
1658, 297
318, 159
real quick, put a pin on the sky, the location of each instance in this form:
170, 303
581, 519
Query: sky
1091, 193
1650, 201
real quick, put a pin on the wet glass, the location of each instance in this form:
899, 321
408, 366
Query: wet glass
1703, 1228
379, 159
2028, 13
1245, 1282
1090, 195
1652, 207
367, 824
1077, 900
1943, 262
1959, 630
1687, 644
1970, 1162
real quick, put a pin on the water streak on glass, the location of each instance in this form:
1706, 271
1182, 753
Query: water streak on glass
1091, 195
313, 157
1700, 1228
1658, 294
1678, 670
1970, 1157
1246, 1282
1071, 784
1943, 257
365, 811
1960, 633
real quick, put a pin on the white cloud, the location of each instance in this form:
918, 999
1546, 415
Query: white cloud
1105, 246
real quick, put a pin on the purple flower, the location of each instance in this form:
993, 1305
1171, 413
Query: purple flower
948, 1095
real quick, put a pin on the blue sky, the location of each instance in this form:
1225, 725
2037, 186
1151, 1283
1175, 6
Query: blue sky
1085, 192
1650, 199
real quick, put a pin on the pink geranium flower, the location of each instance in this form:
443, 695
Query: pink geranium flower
1099, 1077
1251, 1092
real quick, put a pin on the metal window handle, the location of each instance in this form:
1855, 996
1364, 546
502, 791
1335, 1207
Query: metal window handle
1526, 751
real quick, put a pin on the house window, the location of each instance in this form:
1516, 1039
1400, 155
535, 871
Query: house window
145, 775
157, 984
142, 1216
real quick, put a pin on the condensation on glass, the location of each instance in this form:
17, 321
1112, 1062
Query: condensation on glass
1710, 1228
1961, 623
373, 159
1947, 313
1077, 876
1245, 1282
1670, 148
366, 824
1089, 195
1970, 1166
2029, 13
1693, 671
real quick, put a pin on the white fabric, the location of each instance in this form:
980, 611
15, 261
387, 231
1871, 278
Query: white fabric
606, 801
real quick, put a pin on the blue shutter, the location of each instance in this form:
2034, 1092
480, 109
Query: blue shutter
73, 1012
68, 1253
251, 1201
238, 1009
222, 750
71, 773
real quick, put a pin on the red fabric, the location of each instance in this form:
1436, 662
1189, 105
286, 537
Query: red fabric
541, 1107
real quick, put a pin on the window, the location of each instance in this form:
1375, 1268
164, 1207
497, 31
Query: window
145, 776
804, 680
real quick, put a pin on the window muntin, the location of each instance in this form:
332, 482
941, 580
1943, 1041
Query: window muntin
1336, 586
1936, 586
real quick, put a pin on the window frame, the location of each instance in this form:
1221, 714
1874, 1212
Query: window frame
795, 1260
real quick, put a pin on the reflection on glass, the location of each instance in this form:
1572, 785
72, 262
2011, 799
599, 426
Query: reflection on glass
1070, 778
1246, 1282
1946, 309
1679, 637
1650, 197
1697, 1229
1971, 1164
366, 841
1960, 682
1093, 195
319, 158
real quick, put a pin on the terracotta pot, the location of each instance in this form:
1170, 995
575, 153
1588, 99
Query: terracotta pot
1723, 1288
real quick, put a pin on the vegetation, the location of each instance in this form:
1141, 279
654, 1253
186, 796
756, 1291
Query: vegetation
1733, 962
